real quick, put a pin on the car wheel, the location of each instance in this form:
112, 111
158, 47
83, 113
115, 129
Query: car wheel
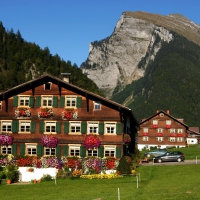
159, 160
179, 159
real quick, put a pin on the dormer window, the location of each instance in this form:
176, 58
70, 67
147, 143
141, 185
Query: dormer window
47, 86
97, 105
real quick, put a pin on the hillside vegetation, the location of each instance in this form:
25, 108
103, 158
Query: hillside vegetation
21, 61
170, 82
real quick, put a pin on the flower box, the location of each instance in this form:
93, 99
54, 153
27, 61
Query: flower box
68, 114
155, 126
45, 113
91, 142
22, 112
49, 141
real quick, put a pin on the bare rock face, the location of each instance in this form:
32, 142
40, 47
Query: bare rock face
113, 62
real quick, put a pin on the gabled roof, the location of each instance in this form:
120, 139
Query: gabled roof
161, 111
30, 85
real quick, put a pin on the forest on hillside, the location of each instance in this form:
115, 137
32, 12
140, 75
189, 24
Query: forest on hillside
171, 82
21, 61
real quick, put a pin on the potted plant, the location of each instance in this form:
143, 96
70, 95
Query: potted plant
11, 173
49, 141
91, 142
6, 139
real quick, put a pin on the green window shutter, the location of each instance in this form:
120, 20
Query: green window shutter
83, 127
15, 126
62, 102
101, 151
31, 101
32, 129
66, 149
66, 127
101, 128
41, 129
58, 127
15, 101
55, 101
118, 152
38, 101
118, 129
14, 149
79, 102
82, 151
58, 151
40, 150
22, 149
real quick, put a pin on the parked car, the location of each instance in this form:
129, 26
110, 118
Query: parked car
170, 157
156, 152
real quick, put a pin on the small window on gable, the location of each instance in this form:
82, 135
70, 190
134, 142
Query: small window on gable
97, 105
47, 86
161, 114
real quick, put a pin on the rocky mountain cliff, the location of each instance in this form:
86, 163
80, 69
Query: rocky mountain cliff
121, 58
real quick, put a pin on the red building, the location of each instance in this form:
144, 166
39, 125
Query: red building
65, 114
162, 130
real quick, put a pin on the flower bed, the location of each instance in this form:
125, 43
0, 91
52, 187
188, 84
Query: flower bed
101, 176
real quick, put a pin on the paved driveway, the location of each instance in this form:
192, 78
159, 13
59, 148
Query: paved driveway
186, 162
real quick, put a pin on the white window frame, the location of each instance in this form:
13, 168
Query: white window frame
145, 138
160, 139
109, 151
110, 128
52, 151
24, 122
48, 99
145, 130
8, 125
93, 127
23, 101
172, 130
155, 122
5, 150
180, 130
172, 139
77, 127
51, 125
70, 101
32, 147
160, 130
168, 122
92, 152
76, 149
179, 139
97, 105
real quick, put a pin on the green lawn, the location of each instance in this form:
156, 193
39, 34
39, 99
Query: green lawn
157, 182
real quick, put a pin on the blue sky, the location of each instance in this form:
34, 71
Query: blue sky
67, 27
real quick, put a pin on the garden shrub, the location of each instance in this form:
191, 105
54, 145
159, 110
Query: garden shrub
124, 166
46, 177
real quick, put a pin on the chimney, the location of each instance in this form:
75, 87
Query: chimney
157, 111
66, 76
168, 112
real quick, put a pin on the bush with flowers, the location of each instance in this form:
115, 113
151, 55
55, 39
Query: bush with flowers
49, 141
92, 165
22, 112
69, 114
51, 162
101, 176
6, 139
91, 142
45, 113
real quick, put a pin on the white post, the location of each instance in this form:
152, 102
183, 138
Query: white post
196, 159
137, 181
118, 194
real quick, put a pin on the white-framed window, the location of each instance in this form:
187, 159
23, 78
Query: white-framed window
180, 130
97, 105
31, 149
49, 151
110, 128
145, 130
70, 101
6, 150
93, 127
155, 122
160, 130
179, 139
23, 101
160, 139
109, 151
172, 130
24, 126
74, 150
6, 126
50, 127
47, 101
93, 152
145, 138
75, 127
172, 139
168, 122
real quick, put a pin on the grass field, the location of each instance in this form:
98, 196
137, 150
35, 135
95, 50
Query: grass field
157, 182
